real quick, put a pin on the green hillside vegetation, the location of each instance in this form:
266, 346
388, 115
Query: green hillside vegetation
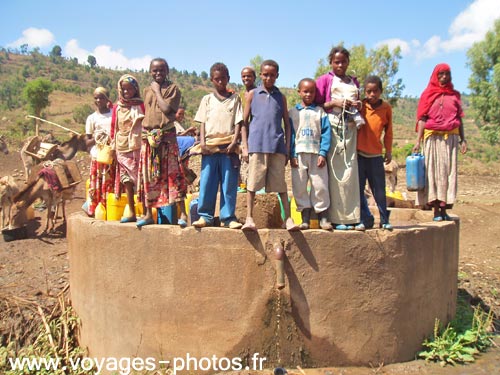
73, 84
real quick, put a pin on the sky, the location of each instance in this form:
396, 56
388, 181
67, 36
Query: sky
194, 34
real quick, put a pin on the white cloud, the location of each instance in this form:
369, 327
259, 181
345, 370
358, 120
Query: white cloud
468, 27
34, 37
106, 57
72, 49
395, 42
430, 48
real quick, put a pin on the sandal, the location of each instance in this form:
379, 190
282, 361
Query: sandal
438, 218
182, 223
447, 218
144, 222
201, 223
360, 227
233, 225
304, 226
131, 219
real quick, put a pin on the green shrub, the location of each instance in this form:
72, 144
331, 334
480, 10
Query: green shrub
462, 339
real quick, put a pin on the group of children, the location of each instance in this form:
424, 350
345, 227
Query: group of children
142, 137
331, 138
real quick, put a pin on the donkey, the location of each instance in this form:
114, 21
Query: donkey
8, 189
40, 188
65, 151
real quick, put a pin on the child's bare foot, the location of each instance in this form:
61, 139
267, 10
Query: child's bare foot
290, 225
249, 225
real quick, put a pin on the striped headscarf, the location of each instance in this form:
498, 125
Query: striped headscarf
136, 100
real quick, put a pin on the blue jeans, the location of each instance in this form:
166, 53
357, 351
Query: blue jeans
224, 170
372, 169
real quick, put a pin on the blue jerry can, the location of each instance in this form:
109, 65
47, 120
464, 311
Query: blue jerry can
193, 210
167, 214
415, 172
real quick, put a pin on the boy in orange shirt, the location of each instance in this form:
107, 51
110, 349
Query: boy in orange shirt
378, 118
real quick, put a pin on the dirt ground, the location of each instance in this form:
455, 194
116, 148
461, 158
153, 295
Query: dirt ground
34, 271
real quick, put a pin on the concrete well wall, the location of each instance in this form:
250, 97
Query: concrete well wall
350, 298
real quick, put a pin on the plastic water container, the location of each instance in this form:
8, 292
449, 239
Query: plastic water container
168, 214
187, 201
100, 212
297, 216
415, 172
138, 208
115, 207
193, 211
87, 186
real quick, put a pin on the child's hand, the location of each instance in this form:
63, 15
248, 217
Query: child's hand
294, 163
244, 153
321, 161
358, 104
155, 86
230, 148
204, 149
191, 131
388, 157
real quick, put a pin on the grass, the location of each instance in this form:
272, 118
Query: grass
463, 339
56, 340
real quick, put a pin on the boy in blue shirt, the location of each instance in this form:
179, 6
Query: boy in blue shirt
265, 144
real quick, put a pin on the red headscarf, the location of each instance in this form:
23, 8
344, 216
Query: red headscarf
434, 89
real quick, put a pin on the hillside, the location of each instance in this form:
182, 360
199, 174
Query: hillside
71, 102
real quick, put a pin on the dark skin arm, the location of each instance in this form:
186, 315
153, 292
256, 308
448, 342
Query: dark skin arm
244, 129
288, 129
164, 107
463, 142
420, 135
203, 145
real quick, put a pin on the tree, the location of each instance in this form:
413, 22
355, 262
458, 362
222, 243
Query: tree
92, 61
56, 51
81, 113
37, 94
255, 63
484, 60
379, 61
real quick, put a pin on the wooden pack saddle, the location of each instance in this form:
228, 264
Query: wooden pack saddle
40, 150
67, 172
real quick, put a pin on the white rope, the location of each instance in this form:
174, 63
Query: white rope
344, 134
